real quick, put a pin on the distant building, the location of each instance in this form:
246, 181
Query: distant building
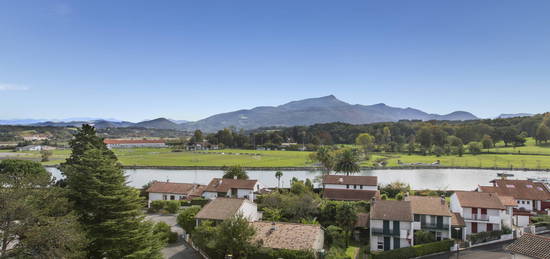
174, 191
34, 148
234, 188
391, 225
481, 211
134, 143
530, 246
350, 188
201, 146
290, 236
224, 208
36, 137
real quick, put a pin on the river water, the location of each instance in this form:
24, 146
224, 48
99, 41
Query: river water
444, 179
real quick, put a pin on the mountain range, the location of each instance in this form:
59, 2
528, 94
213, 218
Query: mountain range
303, 112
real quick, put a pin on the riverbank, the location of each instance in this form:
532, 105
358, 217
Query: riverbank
315, 169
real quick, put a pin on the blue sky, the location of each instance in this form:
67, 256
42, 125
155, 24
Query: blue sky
136, 60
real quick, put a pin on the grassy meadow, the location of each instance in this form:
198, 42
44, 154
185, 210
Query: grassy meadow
502, 157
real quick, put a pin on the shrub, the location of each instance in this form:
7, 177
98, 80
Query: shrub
199, 201
157, 205
186, 218
415, 251
172, 237
268, 253
482, 237
172, 206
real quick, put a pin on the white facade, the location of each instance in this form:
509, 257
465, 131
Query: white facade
155, 196
241, 193
352, 187
249, 211
429, 223
475, 220
379, 237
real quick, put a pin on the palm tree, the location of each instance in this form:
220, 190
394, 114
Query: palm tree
325, 156
347, 162
278, 174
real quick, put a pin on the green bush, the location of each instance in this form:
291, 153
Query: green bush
268, 253
199, 201
415, 251
172, 206
172, 237
185, 203
156, 205
483, 237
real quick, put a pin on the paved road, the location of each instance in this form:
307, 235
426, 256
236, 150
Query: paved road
179, 249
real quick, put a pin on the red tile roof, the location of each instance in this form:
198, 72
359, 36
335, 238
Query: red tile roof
429, 205
533, 246
132, 141
519, 189
178, 188
291, 236
349, 195
479, 200
457, 220
343, 179
221, 208
225, 184
391, 210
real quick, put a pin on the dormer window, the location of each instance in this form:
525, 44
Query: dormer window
540, 189
529, 186
510, 186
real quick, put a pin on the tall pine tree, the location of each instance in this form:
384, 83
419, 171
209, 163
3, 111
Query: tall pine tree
108, 209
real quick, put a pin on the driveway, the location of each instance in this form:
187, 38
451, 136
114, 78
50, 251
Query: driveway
179, 249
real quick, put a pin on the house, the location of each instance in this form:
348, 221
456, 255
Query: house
350, 188
36, 137
530, 246
529, 195
291, 236
224, 208
391, 225
235, 188
481, 211
134, 143
34, 148
174, 191
201, 146
433, 215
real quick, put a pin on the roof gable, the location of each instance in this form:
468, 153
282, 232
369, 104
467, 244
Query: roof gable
391, 210
429, 205
220, 208
179, 188
225, 184
479, 200
519, 189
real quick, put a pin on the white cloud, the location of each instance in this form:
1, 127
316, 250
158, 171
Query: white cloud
12, 87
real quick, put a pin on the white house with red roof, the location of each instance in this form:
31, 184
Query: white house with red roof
174, 191
234, 188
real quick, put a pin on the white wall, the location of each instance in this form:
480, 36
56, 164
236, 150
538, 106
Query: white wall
210, 195
358, 187
249, 211
403, 226
525, 204
455, 205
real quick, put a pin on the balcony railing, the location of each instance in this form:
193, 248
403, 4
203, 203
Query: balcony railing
483, 217
434, 226
386, 232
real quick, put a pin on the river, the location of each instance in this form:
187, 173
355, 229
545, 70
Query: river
444, 179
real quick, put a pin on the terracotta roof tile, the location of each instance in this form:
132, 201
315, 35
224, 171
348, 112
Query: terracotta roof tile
225, 184
519, 189
290, 236
220, 208
362, 220
507, 200
343, 179
391, 210
178, 188
531, 245
479, 200
429, 205
349, 195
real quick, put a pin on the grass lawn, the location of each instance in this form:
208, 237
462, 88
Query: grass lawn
529, 148
255, 158
351, 251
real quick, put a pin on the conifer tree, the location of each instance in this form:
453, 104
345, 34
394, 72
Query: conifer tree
108, 209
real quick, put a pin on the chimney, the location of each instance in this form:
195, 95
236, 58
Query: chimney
235, 177
443, 200
167, 180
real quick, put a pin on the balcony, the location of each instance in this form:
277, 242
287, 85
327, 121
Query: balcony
482, 217
434, 226
386, 232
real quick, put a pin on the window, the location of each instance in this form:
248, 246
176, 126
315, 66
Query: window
529, 186
517, 202
522, 202
528, 202
172, 197
355, 186
361, 187
540, 189
510, 186
380, 245
416, 217
165, 197
347, 186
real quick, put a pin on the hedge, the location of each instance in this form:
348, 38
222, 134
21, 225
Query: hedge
199, 201
169, 206
483, 237
415, 251
268, 253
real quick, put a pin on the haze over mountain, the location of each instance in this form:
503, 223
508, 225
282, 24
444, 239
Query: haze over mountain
316, 110
302, 112
512, 115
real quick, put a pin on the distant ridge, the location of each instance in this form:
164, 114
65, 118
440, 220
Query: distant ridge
512, 115
317, 110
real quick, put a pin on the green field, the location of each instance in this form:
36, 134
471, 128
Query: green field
511, 157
